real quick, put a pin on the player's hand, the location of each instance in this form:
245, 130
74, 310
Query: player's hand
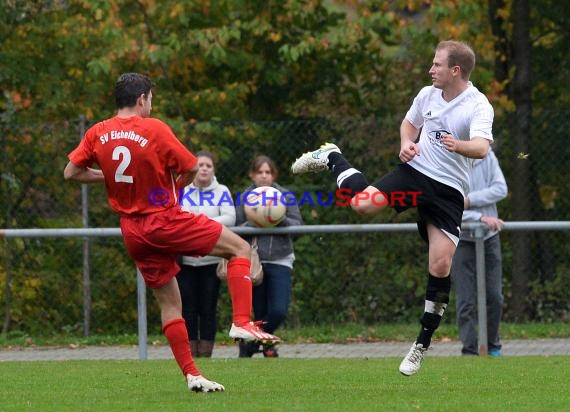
493, 222
450, 142
408, 151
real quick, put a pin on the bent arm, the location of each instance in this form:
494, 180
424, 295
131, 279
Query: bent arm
476, 148
408, 132
82, 174
408, 137
185, 178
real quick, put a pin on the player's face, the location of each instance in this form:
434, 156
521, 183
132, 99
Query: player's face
205, 172
263, 176
440, 72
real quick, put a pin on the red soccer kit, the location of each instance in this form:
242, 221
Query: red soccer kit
140, 158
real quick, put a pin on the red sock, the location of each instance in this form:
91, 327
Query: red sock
177, 335
240, 287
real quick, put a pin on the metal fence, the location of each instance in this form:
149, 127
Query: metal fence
479, 231
85, 285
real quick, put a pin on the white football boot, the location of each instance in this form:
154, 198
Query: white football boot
413, 360
201, 384
250, 332
316, 161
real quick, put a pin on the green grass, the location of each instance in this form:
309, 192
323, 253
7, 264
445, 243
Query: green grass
340, 333
443, 384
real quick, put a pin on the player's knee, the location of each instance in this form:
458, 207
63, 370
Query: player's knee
365, 207
242, 248
369, 201
440, 267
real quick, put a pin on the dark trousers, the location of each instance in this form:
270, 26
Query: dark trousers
464, 277
199, 289
271, 299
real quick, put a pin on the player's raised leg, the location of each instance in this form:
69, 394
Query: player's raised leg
238, 251
315, 161
364, 199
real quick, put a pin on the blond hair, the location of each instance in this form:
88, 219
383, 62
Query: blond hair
459, 54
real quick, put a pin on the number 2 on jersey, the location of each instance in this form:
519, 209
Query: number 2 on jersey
122, 153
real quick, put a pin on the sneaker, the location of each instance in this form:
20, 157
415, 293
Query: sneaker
251, 331
495, 353
317, 161
201, 384
270, 350
413, 360
248, 349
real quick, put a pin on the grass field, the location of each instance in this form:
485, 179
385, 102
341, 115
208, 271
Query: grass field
444, 384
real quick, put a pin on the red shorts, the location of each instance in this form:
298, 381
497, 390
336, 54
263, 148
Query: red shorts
155, 241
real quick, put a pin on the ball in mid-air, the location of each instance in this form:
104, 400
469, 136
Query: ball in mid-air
264, 207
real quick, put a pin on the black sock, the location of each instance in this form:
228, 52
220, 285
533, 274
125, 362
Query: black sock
437, 298
354, 182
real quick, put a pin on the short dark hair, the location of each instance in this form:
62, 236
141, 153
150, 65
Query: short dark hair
129, 87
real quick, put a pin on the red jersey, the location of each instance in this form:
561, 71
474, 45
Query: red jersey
140, 158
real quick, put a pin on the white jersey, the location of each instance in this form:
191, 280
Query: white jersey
467, 116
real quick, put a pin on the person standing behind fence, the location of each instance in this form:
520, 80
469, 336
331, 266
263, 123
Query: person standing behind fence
488, 186
272, 297
198, 282
143, 164
453, 122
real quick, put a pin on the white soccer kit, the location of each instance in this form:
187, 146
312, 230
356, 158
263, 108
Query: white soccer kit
467, 116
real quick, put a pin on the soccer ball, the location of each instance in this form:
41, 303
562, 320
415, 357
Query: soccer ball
264, 207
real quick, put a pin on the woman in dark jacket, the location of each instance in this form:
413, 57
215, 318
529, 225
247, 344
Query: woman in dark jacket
272, 297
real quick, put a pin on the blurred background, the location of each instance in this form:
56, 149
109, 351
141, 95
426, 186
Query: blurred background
241, 78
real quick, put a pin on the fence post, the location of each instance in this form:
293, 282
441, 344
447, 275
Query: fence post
86, 247
141, 311
479, 233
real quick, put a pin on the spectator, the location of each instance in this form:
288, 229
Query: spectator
199, 285
487, 187
272, 297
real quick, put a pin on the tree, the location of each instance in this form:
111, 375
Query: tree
240, 77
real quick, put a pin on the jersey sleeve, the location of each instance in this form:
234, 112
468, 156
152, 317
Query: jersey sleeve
178, 158
482, 122
415, 113
82, 155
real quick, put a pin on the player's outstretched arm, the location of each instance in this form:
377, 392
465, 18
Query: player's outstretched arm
82, 174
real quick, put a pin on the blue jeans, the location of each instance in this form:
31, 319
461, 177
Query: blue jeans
271, 299
464, 276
